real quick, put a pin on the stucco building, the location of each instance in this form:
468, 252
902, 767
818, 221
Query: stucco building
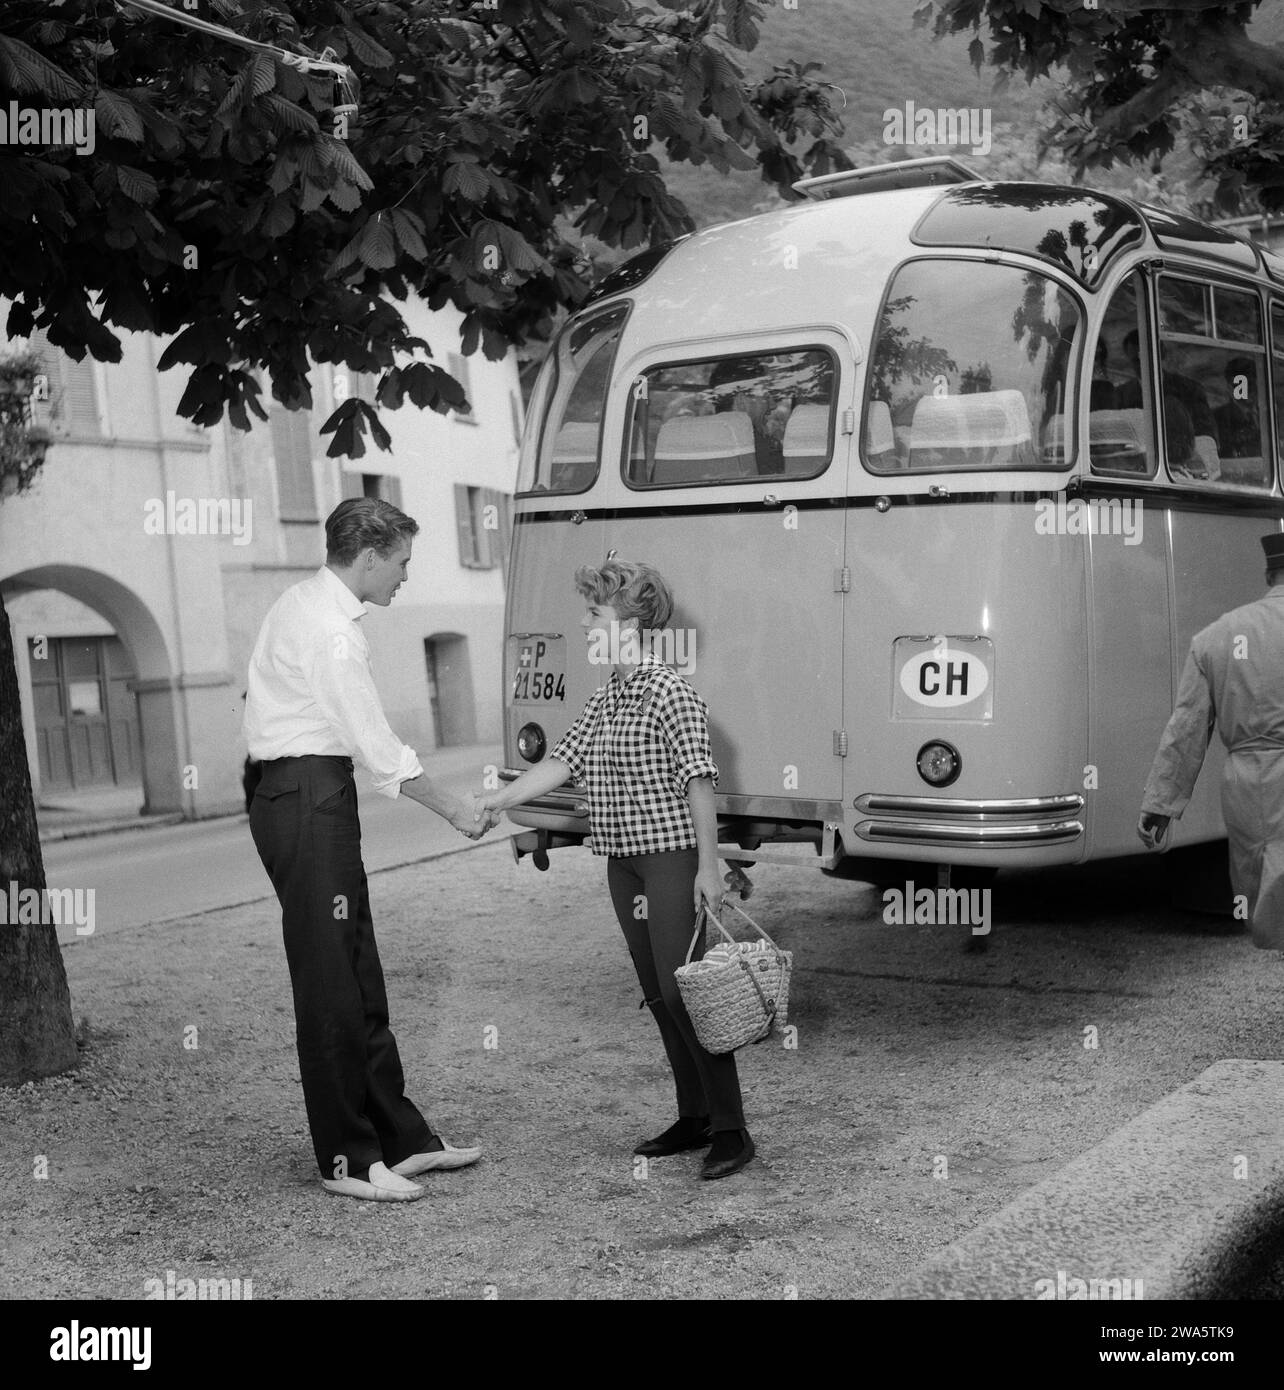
137, 571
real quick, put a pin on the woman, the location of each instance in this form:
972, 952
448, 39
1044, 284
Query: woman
641, 746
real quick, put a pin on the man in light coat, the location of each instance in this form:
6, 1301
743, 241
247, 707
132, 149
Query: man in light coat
1234, 680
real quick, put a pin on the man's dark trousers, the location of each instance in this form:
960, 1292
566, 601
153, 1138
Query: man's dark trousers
305, 827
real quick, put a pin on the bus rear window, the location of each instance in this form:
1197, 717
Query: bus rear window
971, 370
732, 419
571, 398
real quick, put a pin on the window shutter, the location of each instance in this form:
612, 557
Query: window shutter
292, 453
458, 367
79, 398
46, 395
351, 483
464, 526
390, 489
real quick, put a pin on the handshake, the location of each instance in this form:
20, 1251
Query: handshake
475, 819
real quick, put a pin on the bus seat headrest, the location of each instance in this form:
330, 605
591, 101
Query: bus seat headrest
705, 436
980, 420
807, 432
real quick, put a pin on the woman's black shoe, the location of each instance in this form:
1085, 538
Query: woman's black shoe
732, 1149
688, 1133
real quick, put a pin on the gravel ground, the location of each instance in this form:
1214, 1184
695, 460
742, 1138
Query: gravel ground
165, 1157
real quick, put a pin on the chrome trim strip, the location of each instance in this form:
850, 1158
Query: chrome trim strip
779, 807
951, 806
1048, 832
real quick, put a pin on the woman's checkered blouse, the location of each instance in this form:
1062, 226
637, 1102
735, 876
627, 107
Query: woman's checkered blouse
636, 746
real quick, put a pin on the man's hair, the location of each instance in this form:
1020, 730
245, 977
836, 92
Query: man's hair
633, 590
362, 523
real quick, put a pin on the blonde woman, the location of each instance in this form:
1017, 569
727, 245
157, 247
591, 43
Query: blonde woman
641, 746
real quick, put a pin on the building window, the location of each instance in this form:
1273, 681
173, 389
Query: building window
384, 486
66, 399
458, 367
350, 385
292, 455
483, 518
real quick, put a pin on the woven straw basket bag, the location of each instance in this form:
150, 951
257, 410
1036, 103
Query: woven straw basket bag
740, 991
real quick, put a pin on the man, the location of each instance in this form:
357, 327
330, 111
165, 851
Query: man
1232, 678
1239, 422
311, 708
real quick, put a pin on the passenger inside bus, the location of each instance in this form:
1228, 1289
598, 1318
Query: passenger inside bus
1190, 432
1239, 421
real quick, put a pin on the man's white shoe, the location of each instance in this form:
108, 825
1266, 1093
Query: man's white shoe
448, 1157
380, 1186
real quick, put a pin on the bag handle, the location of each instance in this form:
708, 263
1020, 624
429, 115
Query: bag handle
768, 1008
735, 907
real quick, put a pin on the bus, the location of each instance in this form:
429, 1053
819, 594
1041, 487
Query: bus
944, 474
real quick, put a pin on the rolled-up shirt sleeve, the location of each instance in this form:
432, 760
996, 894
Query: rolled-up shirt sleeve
684, 717
1183, 745
337, 670
572, 748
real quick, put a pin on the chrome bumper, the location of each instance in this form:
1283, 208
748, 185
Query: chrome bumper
1040, 820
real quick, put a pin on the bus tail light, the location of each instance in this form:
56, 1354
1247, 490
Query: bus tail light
939, 764
531, 742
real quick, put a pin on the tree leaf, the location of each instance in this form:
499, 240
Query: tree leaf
293, 118
118, 116
137, 185
31, 73
467, 179
408, 234
378, 249
365, 49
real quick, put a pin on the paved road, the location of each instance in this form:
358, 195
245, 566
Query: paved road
141, 876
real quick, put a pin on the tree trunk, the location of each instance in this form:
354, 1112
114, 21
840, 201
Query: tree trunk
37, 1037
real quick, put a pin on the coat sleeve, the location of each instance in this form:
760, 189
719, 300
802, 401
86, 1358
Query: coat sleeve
1183, 745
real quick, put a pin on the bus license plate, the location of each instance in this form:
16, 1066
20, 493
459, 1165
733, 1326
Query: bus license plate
539, 669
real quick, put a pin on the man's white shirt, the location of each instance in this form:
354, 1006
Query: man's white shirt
311, 689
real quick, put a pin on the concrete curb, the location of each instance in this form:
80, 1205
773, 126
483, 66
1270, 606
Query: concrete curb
1177, 1204
110, 827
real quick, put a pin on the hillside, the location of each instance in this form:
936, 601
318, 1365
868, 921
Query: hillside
871, 50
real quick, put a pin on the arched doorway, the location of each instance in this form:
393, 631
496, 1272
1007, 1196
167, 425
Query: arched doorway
97, 675
450, 689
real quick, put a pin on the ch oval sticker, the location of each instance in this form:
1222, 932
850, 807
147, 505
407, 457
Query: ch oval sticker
940, 680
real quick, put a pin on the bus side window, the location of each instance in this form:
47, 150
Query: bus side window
1213, 356
1121, 413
